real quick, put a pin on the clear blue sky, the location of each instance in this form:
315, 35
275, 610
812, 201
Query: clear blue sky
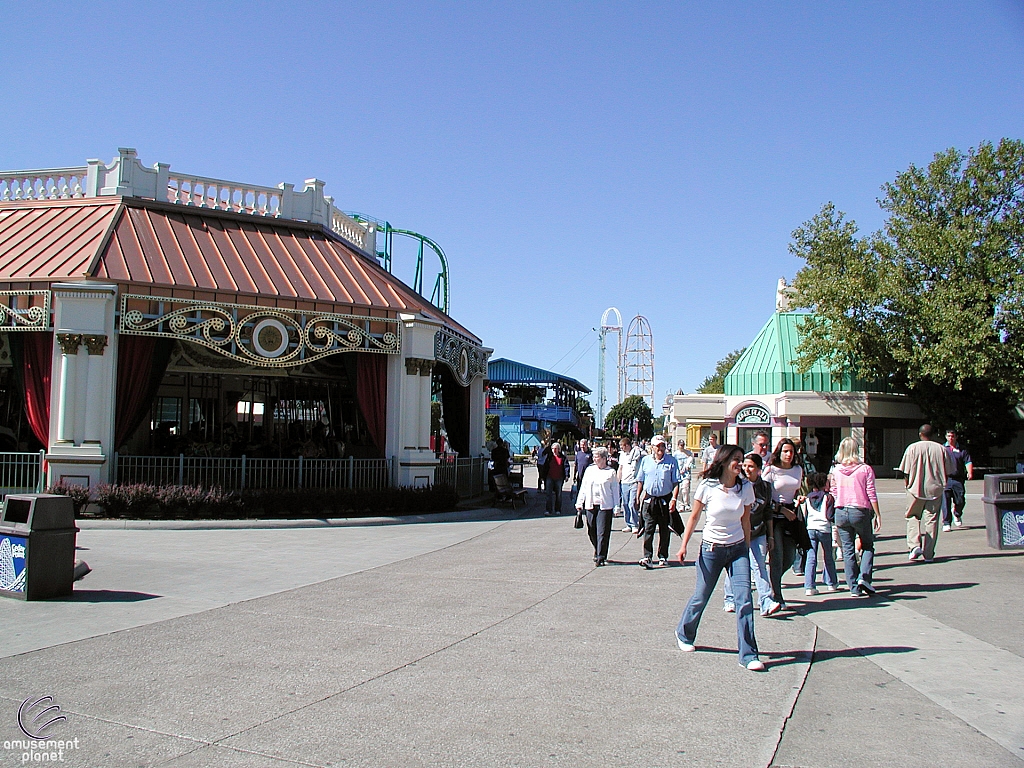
567, 156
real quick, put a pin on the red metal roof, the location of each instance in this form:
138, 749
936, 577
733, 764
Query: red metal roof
140, 242
54, 241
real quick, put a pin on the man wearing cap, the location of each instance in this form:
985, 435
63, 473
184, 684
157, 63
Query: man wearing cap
658, 482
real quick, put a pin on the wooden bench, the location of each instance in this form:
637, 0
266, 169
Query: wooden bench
505, 493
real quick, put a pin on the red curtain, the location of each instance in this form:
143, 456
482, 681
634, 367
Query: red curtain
37, 351
372, 395
141, 364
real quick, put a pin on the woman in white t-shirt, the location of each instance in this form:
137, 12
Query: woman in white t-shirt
725, 545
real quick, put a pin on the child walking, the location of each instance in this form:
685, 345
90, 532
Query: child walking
819, 511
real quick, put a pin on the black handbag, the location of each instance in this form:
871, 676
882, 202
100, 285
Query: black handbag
796, 529
578, 522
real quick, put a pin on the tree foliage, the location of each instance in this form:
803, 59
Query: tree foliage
932, 304
715, 383
619, 420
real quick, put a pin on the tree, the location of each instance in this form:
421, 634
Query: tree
492, 427
619, 420
931, 305
715, 384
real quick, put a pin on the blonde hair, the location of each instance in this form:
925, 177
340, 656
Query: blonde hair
849, 451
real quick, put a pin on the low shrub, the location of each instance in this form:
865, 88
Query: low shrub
79, 494
140, 501
134, 500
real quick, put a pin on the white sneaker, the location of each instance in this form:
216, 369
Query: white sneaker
831, 589
729, 608
811, 592
915, 553
756, 665
957, 522
947, 528
627, 529
685, 647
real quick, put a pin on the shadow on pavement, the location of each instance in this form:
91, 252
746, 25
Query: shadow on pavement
105, 596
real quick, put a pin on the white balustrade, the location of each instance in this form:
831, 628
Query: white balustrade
204, 192
51, 184
125, 175
350, 229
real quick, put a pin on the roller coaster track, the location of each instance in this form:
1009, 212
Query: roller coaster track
439, 293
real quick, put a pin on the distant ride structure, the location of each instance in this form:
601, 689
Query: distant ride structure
638, 361
608, 325
439, 293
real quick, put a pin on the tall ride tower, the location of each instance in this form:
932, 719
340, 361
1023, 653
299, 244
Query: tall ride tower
607, 326
638, 361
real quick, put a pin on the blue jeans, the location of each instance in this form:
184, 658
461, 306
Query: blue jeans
554, 488
759, 566
629, 510
735, 560
953, 501
853, 522
824, 540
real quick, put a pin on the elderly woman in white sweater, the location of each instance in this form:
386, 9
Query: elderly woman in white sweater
599, 495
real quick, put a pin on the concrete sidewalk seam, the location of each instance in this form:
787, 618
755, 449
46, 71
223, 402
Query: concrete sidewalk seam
797, 689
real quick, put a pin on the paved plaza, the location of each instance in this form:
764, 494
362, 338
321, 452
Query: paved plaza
487, 638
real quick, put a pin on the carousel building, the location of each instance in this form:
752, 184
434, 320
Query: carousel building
146, 313
765, 392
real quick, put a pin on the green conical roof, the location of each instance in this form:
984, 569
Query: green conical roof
767, 367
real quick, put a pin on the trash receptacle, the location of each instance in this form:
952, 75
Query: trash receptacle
37, 546
1004, 511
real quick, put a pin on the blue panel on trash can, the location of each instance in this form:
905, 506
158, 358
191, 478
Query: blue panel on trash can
1013, 529
12, 563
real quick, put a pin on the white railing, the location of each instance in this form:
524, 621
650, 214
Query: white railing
203, 192
348, 228
126, 176
467, 476
52, 184
244, 473
22, 473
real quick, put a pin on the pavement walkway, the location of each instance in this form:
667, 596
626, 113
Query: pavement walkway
489, 639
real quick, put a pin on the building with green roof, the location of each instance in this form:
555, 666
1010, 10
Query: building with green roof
764, 391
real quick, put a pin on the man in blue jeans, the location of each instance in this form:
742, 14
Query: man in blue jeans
955, 496
629, 461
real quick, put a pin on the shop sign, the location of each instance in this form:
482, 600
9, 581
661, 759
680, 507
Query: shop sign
753, 414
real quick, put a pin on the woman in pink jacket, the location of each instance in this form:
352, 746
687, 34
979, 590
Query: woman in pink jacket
852, 483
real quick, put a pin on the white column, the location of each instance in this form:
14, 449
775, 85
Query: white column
82, 395
423, 427
477, 421
411, 404
95, 412
66, 389
409, 391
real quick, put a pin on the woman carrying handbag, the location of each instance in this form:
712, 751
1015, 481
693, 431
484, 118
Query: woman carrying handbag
785, 476
599, 495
